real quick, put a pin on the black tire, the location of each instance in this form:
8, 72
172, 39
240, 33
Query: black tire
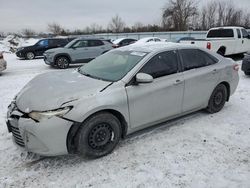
98, 135
247, 73
30, 55
217, 99
62, 62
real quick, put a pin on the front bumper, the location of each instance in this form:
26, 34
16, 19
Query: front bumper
48, 60
47, 138
20, 54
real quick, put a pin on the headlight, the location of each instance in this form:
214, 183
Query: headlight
48, 53
38, 116
19, 49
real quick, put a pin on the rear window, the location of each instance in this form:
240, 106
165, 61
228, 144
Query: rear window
220, 33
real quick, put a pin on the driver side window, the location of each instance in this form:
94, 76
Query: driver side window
162, 64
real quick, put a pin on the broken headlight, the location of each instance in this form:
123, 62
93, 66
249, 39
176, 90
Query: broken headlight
38, 116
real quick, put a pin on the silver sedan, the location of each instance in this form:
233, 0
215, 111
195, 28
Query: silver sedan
87, 111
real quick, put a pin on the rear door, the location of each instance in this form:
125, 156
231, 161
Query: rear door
201, 77
239, 41
156, 101
96, 48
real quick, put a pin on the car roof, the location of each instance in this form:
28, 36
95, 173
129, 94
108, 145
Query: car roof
154, 47
226, 27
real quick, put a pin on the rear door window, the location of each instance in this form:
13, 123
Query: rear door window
163, 64
220, 33
93, 43
80, 44
195, 58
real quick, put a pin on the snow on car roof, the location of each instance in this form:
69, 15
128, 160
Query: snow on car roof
155, 46
118, 40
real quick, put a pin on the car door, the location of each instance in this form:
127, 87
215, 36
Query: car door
96, 48
161, 99
79, 51
246, 41
201, 76
41, 47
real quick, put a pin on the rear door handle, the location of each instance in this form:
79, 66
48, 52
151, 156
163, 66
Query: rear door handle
177, 82
214, 71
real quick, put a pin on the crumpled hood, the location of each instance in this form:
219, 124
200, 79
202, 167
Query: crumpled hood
50, 90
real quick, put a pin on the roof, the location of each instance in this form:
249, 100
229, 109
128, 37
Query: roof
155, 46
227, 27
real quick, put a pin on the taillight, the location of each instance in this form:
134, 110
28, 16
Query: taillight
236, 67
1, 56
209, 45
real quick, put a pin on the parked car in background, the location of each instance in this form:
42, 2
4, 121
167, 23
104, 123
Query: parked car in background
148, 39
123, 42
30, 52
3, 64
185, 39
125, 90
246, 64
80, 50
224, 40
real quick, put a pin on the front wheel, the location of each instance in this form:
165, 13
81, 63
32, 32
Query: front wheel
99, 135
62, 62
217, 99
30, 55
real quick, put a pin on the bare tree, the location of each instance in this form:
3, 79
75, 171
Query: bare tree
28, 32
178, 13
95, 28
137, 27
55, 28
116, 24
209, 15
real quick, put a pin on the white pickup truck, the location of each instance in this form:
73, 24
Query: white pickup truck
224, 40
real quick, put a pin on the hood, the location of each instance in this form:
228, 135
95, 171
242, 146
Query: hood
50, 91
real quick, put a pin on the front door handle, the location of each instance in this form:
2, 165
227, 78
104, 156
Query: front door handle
242, 41
214, 71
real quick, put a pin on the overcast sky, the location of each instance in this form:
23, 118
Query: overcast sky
16, 15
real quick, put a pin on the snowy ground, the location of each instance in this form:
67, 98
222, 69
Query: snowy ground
199, 150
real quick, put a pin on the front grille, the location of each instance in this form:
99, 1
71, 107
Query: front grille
17, 136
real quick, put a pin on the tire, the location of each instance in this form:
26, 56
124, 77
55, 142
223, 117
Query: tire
98, 135
217, 99
30, 55
62, 62
247, 73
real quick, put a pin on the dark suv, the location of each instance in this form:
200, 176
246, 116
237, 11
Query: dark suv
30, 52
246, 64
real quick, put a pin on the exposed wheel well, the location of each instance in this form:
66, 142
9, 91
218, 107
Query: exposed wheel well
222, 50
75, 127
228, 89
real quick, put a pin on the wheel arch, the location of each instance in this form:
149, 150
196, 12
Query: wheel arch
228, 88
62, 55
222, 50
71, 146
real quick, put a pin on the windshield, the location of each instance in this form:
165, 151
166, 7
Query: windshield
71, 43
113, 65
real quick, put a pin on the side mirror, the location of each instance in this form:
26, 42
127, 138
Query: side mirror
142, 78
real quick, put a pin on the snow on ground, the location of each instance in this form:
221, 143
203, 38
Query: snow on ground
198, 150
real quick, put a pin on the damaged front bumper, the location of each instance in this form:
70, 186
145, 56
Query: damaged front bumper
47, 137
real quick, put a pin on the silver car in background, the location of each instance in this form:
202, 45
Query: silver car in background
3, 64
80, 50
87, 111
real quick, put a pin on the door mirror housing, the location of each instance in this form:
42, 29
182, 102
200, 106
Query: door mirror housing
143, 78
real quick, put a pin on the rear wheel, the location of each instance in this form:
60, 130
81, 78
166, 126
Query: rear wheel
99, 135
30, 55
62, 62
217, 99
